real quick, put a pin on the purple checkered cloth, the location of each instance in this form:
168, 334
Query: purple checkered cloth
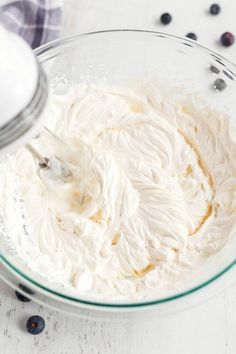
37, 21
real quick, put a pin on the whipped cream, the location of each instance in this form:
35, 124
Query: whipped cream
150, 196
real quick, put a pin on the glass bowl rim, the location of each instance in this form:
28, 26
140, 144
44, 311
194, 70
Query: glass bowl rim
99, 304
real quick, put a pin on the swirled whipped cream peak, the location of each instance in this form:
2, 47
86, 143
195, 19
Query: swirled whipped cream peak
149, 198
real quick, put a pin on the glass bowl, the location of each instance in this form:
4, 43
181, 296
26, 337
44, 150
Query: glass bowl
112, 57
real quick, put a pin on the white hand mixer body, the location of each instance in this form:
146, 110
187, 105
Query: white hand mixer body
24, 93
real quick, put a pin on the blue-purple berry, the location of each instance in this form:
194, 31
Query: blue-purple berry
215, 9
219, 85
35, 324
214, 69
166, 18
22, 297
191, 35
227, 39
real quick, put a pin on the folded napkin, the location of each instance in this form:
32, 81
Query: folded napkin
37, 21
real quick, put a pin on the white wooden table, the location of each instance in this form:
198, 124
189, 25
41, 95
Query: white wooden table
209, 328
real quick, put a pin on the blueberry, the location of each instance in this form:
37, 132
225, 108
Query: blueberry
219, 85
166, 18
192, 35
227, 39
26, 289
214, 69
215, 9
35, 324
21, 297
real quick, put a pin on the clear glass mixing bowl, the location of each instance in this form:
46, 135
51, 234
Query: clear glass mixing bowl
112, 57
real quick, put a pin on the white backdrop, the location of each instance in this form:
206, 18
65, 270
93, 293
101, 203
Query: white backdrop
188, 16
